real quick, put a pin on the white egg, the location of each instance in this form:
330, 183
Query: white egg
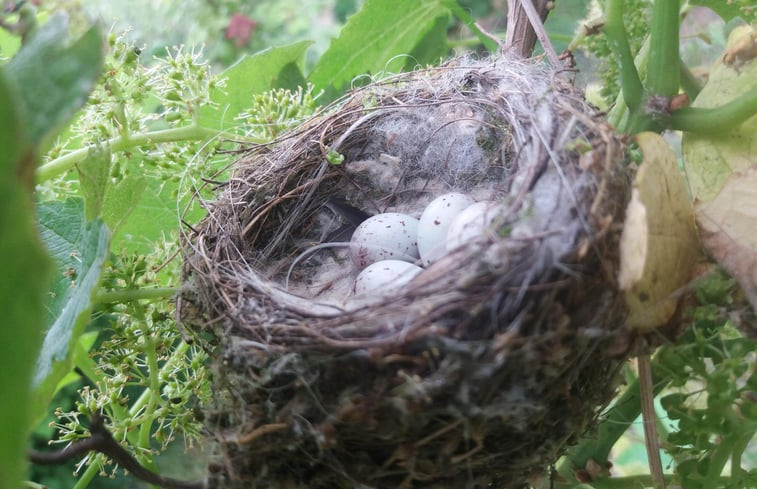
471, 223
385, 275
388, 236
435, 222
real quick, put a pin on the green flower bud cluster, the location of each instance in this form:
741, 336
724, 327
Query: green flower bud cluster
146, 381
275, 111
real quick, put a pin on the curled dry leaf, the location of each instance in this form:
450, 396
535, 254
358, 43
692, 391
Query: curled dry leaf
722, 168
658, 247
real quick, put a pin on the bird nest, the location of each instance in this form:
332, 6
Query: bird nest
477, 371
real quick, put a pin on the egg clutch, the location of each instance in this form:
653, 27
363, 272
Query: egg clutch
438, 307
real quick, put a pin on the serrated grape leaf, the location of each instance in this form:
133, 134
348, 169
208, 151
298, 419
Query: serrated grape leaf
709, 159
25, 268
658, 247
54, 76
375, 40
270, 68
721, 169
94, 173
80, 250
728, 9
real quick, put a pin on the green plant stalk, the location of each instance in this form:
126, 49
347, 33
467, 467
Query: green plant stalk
120, 143
718, 119
616, 35
143, 399
663, 74
728, 446
154, 380
740, 446
618, 115
617, 420
147, 293
690, 83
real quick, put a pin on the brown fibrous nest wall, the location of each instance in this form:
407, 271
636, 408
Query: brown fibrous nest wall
488, 364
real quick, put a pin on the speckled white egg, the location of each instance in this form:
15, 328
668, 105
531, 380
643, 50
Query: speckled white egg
471, 223
385, 275
388, 236
436, 221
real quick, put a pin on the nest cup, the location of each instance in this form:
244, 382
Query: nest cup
479, 371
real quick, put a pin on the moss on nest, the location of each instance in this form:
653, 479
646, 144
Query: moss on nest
484, 368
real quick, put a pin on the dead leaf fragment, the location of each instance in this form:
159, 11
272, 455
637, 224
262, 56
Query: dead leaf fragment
659, 246
728, 228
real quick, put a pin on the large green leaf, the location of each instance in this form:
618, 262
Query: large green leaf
432, 47
54, 76
80, 249
272, 68
25, 268
709, 159
157, 215
374, 40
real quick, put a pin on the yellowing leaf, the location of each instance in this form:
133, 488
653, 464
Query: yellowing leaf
721, 168
658, 246
728, 228
709, 159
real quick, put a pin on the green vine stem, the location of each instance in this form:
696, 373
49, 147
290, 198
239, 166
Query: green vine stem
663, 75
689, 83
616, 35
142, 401
186, 133
739, 447
131, 295
618, 114
717, 119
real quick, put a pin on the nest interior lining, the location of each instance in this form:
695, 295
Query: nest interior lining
490, 361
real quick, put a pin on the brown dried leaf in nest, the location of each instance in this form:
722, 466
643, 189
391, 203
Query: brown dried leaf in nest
485, 366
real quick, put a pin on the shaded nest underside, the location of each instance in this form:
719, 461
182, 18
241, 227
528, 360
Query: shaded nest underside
482, 369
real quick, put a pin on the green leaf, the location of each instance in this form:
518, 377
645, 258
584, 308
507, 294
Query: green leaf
83, 345
55, 77
432, 47
80, 249
271, 68
156, 216
25, 268
464, 16
709, 159
121, 200
728, 9
721, 167
94, 174
374, 40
